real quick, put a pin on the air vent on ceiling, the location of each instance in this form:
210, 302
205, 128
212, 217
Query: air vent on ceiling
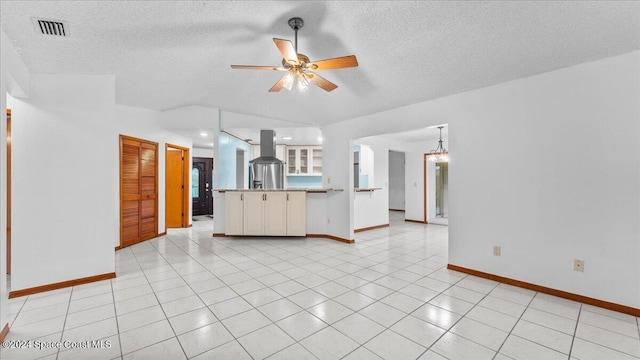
51, 27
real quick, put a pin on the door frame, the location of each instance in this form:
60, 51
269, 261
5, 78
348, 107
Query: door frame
186, 172
424, 189
8, 191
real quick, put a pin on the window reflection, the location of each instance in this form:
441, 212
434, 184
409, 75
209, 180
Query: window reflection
195, 182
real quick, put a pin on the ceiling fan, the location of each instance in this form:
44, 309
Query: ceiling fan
298, 66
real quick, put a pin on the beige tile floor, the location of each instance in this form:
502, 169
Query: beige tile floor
389, 296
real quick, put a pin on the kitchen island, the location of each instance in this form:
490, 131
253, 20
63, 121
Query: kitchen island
272, 212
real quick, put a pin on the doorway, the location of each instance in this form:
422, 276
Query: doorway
436, 191
201, 176
176, 191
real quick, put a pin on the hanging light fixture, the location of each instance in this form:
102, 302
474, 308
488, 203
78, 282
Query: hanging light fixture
440, 154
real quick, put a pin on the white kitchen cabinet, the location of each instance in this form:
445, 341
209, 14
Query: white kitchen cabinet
233, 213
316, 161
275, 213
296, 213
253, 214
304, 160
265, 213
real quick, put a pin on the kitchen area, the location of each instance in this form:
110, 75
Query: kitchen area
271, 185
282, 195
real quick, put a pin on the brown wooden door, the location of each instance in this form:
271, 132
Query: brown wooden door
138, 190
201, 174
177, 198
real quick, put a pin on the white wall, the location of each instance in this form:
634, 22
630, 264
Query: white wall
203, 153
337, 172
59, 180
549, 196
396, 180
14, 79
316, 213
74, 122
545, 195
190, 117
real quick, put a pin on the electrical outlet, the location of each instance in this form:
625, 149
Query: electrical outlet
496, 250
578, 265
415, 184
328, 180
328, 220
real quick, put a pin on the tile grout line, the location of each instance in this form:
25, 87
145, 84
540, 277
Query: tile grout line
369, 282
163, 312
275, 322
379, 300
514, 325
457, 321
404, 317
283, 297
303, 310
205, 305
575, 331
64, 324
19, 311
115, 311
374, 247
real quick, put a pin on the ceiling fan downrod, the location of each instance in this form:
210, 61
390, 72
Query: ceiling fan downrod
296, 24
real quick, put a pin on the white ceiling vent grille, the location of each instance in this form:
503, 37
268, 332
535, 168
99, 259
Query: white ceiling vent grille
51, 27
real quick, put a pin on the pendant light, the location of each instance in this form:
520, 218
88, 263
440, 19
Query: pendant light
440, 154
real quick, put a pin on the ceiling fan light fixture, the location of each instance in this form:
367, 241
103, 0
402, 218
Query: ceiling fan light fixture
288, 81
303, 82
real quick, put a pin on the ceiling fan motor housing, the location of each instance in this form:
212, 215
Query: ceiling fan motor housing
302, 58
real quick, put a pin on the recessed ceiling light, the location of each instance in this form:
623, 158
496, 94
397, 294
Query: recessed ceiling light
203, 134
287, 138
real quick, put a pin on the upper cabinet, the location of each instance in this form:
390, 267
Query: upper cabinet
304, 160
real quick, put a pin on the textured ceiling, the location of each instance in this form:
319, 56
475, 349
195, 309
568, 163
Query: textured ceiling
167, 54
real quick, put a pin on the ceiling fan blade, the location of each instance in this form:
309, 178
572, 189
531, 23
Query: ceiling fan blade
279, 85
321, 82
335, 63
287, 50
255, 67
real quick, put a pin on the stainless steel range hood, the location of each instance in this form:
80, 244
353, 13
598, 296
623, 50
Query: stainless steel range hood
266, 171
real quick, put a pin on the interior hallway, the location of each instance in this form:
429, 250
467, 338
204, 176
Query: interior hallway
389, 295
